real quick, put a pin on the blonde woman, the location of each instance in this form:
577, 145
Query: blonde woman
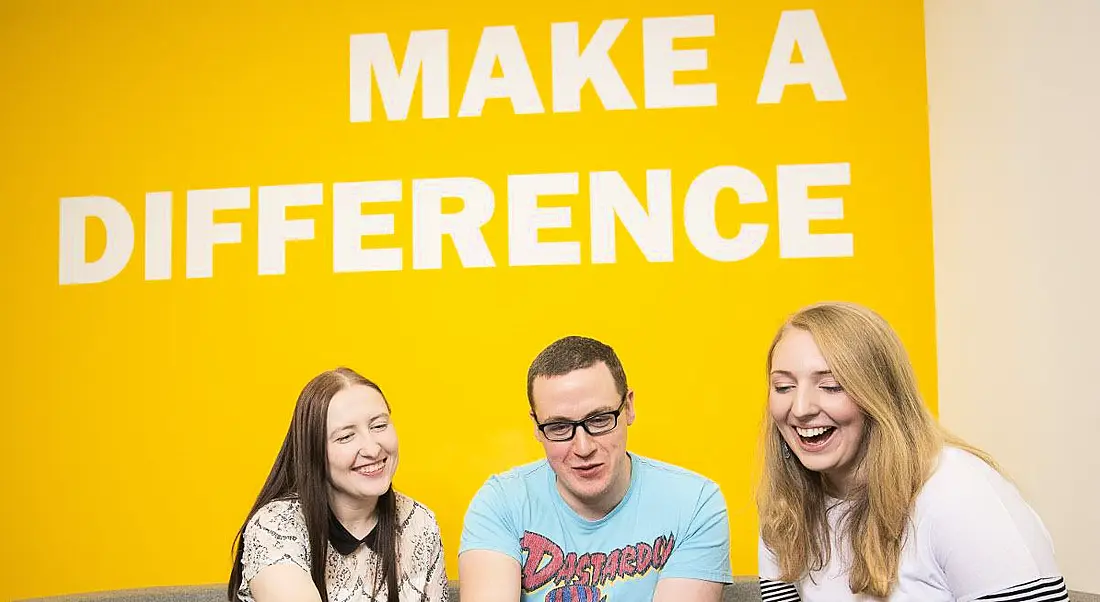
865, 497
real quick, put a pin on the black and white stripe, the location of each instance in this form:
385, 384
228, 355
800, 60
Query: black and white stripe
778, 591
1049, 589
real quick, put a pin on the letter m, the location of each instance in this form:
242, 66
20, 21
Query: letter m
372, 61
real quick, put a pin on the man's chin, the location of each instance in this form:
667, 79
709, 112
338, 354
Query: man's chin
587, 490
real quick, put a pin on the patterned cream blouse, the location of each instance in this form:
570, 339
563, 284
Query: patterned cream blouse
276, 534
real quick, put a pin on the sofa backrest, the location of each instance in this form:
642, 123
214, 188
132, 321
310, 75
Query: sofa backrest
744, 590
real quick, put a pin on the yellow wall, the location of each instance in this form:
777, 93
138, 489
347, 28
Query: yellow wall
141, 415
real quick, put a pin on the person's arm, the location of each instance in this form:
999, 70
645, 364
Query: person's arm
488, 576
675, 589
275, 562
436, 586
283, 583
700, 561
991, 545
489, 555
771, 588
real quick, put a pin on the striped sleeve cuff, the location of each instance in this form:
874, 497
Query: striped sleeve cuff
1049, 589
778, 591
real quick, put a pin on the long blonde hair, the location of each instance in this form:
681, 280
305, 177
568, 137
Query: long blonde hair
901, 443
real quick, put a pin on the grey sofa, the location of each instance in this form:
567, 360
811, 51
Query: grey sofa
744, 590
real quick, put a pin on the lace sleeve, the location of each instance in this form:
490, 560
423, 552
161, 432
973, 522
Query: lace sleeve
423, 555
276, 534
436, 588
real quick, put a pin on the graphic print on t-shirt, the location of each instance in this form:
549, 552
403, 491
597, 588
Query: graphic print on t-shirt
584, 576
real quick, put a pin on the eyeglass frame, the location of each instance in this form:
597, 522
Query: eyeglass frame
582, 423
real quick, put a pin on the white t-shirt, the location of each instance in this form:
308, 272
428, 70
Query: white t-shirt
971, 537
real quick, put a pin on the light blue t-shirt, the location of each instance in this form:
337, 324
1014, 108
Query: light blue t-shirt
671, 523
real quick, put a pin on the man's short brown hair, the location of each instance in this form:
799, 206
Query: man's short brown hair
574, 353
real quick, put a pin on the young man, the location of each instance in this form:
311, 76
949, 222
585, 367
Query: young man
592, 522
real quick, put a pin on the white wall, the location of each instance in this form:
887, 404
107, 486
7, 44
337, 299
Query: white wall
1014, 99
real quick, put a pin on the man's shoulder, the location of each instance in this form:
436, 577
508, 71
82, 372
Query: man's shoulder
518, 481
524, 473
670, 474
497, 514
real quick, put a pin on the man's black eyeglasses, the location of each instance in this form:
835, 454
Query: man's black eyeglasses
596, 424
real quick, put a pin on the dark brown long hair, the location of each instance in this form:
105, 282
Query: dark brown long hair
301, 471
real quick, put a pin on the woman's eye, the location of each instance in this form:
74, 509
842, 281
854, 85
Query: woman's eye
783, 388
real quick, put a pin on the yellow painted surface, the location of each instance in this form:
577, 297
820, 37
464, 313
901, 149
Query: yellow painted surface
141, 416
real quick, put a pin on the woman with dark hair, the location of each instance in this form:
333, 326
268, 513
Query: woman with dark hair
327, 525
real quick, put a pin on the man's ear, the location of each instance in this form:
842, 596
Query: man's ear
535, 423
